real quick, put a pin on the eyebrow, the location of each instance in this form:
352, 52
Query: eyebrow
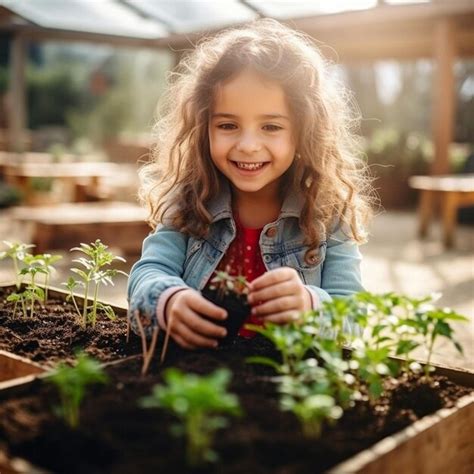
263, 116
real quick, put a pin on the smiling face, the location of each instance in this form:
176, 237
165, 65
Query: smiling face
251, 134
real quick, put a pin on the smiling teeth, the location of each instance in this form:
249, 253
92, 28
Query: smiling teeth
249, 166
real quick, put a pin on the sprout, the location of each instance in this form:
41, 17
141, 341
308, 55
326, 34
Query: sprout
71, 383
93, 274
199, 403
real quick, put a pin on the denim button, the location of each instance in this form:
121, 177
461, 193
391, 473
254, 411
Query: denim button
311, 257
267, 258
271, 232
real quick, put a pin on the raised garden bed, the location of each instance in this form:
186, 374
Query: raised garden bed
55, 334
118, 436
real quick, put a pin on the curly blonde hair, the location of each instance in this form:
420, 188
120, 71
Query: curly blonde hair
181, 179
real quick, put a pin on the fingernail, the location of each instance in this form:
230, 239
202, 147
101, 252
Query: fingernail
224, 333
254, 311
224, 316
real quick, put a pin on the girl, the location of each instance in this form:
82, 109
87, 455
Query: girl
254, 169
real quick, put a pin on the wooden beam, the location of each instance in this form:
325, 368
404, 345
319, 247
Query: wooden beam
16, 104
444, 54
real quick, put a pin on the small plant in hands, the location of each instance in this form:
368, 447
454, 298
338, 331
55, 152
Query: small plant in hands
93, 275
199, 402
17, 252
229, 292
72, 383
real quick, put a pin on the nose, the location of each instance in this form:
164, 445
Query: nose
249, 143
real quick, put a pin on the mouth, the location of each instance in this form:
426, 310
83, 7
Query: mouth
249, 166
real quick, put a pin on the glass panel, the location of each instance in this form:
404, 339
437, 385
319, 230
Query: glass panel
289, 9
195, 15
101, 16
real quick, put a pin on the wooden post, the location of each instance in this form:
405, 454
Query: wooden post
443, 94
17, 96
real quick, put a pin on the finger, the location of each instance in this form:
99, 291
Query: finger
195, 339
283, 318
202, 306
181, 342
278, 305
286, 288
272, 277
203, 327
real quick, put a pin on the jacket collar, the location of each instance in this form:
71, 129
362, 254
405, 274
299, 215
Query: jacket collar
220, 207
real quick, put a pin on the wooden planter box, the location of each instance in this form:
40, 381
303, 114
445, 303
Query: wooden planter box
438, 443
16, 370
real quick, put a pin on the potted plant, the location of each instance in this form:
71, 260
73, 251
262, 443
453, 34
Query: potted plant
229, 292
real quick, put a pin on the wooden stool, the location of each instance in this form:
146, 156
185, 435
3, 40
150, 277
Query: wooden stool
448, 193
64, 226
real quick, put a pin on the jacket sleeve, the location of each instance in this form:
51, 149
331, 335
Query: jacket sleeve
341, 274
160, 268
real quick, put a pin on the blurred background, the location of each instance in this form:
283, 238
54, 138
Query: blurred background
79, 83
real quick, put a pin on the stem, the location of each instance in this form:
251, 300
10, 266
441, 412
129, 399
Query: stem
46, 284
84, 311
14, 308
165, 345
94, 304
15, 266
151, 350
75, 305
428, 360
23, 306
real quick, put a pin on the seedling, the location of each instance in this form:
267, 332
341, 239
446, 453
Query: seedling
434, 322
93, 274
72, 383
48, 260
224, 284
293, 341
146, 351
199, 403
310, 398
17, 252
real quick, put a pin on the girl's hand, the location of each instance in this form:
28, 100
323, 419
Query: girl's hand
185, 322
279, 296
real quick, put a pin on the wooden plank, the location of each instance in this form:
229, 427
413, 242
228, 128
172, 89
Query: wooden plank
13, 366
17, 90
443, 94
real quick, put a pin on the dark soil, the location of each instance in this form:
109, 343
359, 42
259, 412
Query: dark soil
54, 333
116, 436
234, 304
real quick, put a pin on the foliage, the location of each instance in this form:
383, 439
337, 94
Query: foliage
394, 152
96, 258
52, 93
17, 252
199, 403
9, 195
316, 389
72, 382
225, 283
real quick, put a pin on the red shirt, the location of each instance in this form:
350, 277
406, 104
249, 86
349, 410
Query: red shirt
243, 257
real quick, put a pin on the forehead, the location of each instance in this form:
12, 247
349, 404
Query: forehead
249, 92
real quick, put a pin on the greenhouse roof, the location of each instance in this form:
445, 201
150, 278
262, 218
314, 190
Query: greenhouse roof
161, 19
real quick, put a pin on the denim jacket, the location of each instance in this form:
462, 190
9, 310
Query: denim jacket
171, 259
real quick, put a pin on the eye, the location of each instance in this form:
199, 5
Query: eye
272, 127
227, 126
